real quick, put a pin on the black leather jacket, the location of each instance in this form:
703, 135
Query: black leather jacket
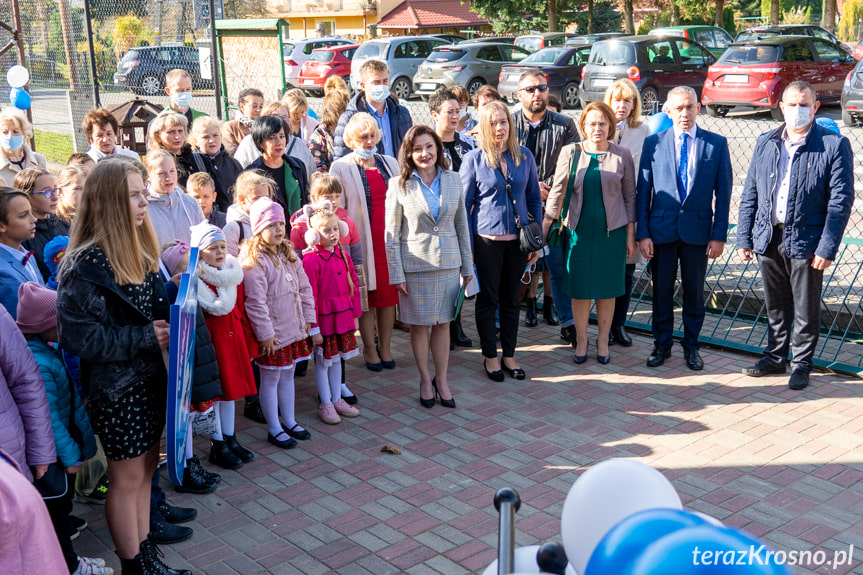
556, 131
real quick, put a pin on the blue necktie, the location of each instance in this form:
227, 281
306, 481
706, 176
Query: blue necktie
682, 168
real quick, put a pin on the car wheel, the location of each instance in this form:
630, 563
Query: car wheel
849, 120
151, 85
776, 113
718, 111
474, 85
569, 95
649, 100
402, 88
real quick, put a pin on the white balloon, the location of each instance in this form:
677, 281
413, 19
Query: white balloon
524, 562
709, 518
17, 76
603, 496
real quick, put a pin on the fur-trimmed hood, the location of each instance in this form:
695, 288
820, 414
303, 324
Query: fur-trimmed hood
225, 280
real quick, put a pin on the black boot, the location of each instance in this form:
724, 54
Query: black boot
199, 469
223, 456
151, 561
548, 312
252, 411
530, 318
457, 335
194, 480
244, 454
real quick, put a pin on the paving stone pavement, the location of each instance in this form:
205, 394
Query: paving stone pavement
785, 466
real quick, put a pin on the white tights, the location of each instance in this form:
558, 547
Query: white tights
328, 380
225, 413
277, 395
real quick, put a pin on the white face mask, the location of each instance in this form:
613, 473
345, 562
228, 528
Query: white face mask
797, 117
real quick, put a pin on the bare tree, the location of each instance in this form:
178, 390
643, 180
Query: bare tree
628, 23
719, 20
553, 17
829, 22
774, 11
590, 16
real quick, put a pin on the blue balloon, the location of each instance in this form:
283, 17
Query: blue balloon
709, 550
828, 123
627, 540
659, 122
20, 98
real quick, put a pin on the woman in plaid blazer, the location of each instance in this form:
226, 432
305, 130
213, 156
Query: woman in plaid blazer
429, 253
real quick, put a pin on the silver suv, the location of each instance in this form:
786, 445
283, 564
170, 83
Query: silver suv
402, 55
298, 51
472, 66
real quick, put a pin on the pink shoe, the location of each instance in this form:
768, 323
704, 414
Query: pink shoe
328, 414
343, 408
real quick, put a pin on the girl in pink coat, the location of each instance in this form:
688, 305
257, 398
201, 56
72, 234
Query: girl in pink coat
334, 283
281, 308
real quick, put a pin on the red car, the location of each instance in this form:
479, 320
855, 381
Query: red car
857, 52
755, 73
326, 62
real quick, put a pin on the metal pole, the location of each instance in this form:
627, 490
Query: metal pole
19, 40
89, 27
507, 502
214, 58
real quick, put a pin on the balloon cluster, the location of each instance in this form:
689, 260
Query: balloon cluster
622, 517
18, 76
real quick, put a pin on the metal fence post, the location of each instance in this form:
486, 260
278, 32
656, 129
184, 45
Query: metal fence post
507, 502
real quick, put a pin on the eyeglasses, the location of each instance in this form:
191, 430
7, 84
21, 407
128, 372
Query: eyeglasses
52, 193
532, 89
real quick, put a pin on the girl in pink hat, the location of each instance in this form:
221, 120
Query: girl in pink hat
281, 308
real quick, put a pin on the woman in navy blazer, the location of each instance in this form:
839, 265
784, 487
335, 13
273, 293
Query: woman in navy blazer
500, 181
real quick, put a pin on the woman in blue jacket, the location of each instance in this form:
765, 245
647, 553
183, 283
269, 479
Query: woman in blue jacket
500, 181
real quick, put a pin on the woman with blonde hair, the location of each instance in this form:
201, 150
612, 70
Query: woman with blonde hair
501, 191
631, 131
15, 152
335, 83
301, 125
169, 131
365, 176
112, 313
321, 142
593, 195
70, 181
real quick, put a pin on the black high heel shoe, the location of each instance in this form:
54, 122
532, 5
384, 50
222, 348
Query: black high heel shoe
496, 375
391, 364
428, 403
517, 373
444, 402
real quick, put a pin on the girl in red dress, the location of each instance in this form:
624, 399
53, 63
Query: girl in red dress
220, 295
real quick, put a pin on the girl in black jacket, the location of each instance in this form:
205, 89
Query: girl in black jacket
112, 313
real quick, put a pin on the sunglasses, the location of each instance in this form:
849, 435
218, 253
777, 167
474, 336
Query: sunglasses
52, 193
532, 89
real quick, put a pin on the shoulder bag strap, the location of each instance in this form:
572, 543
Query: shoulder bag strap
573, 170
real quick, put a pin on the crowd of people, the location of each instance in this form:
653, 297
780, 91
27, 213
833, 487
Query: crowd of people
309, 230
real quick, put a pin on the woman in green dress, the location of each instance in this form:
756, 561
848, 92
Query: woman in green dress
594, 187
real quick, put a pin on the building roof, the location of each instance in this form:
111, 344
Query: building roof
412, 14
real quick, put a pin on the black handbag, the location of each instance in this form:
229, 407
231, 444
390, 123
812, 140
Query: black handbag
530, 237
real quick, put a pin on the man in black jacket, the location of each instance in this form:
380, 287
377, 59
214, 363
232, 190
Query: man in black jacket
393, 119
545, 132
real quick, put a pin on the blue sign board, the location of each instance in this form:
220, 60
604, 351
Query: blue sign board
181, 364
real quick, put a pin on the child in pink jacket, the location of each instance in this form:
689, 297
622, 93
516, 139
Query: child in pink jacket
334, 283
281, 308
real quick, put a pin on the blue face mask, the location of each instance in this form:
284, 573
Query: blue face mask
11, 143
378, 93
364, 154
182, 100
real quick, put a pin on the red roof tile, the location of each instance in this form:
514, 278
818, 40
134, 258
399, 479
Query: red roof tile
431, 14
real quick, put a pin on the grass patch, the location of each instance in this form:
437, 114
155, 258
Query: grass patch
55, 147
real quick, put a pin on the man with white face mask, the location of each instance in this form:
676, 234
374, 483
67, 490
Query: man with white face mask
393, 119
795, 205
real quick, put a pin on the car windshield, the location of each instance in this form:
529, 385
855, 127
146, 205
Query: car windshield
372, 50
545, 56
752, 54
532, 43
322, 56
445, 55
612, 53
130, 56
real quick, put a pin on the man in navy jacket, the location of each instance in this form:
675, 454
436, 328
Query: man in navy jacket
795, 205
682, 202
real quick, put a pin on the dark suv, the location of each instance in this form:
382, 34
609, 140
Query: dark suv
143, 69
656, 64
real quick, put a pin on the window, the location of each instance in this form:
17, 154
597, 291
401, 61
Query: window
513, 53
705, 38
412, 49
750, 55
489, 53
723, 38
612, 54
691, 54
819, 33
371, 50
828, 52
660, 52
797, 52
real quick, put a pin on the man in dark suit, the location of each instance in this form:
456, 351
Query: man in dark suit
795, 205
685, 174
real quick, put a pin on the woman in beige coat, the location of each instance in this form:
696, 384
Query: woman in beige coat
15, 152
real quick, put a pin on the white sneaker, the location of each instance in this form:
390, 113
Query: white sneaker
92, 566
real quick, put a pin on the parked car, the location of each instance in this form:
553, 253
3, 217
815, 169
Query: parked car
471, 66
656, 64
857, 52
852, 96
298, 51
496, 39
143, 69
324, 63
534, 42
770, 31
451, 38
592, 38
756, 73
562, 68
402, 55
713, 38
